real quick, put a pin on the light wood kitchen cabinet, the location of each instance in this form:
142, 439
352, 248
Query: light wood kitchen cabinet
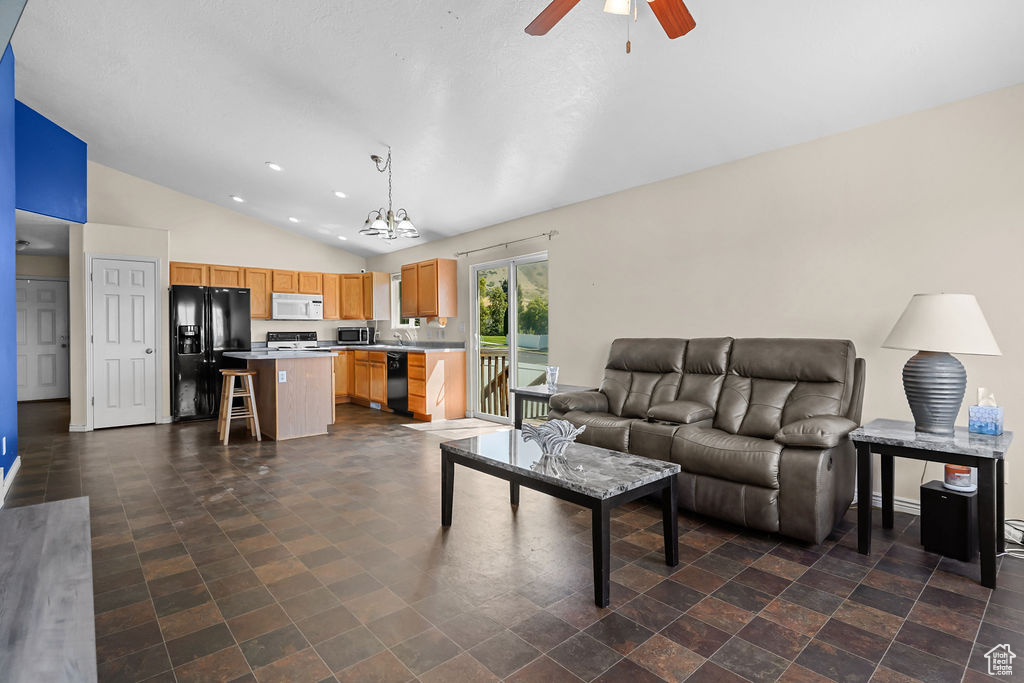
332, 296
430, 289
376, 296
437, 385
258, 281
286, 281
361, 375
410, 305
226, 276
352, 296
342, 376
365, 296
196, 274
378, 377
311, 283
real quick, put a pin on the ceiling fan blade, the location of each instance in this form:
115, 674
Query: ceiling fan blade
674, 17
551, 15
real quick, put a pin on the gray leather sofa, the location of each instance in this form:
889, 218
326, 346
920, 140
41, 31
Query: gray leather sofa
759, 426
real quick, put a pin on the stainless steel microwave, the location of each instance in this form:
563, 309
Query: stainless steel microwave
355, 335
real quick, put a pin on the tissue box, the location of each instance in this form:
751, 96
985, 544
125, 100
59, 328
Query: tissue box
986, 419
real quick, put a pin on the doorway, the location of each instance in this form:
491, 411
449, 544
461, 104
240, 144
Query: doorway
510, 332
123, 302
42, 338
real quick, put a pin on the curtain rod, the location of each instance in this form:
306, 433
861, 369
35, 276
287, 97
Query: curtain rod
549, 234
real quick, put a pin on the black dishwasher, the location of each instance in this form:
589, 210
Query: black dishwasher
398, 381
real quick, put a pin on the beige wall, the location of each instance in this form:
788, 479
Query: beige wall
131, 216
824, 239
41, 266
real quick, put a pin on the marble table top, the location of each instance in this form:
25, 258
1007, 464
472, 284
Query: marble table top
962, 442
596, 472
542, 391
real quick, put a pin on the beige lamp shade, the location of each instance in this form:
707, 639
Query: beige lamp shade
952, 323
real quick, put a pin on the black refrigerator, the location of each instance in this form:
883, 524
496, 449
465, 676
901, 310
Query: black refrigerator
205, 322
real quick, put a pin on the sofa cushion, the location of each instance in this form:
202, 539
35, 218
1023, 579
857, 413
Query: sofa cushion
651, 439
704, 369
681, 412
640, 372
773, 382
603, 429
733, 457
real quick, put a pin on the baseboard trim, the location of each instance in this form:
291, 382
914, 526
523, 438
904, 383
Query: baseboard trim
164, 420
907, 505
79, 428
9, 478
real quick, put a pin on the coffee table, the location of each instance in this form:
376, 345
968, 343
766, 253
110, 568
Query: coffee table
595, 478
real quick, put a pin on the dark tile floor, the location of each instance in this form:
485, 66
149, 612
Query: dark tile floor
322, 559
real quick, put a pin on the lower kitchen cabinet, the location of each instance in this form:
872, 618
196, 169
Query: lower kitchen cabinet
437, 385
342, 376
361, 379
379, 382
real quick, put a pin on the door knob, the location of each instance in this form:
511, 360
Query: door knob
149, 350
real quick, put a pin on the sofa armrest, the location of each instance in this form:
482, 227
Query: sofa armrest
820, 431
681, 412
587, 401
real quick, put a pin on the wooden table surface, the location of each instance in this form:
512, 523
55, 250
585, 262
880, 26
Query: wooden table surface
46, 611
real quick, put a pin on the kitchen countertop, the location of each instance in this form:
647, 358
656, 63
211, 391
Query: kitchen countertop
274, 355
394, 347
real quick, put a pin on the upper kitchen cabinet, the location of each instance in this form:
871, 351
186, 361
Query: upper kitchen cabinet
430, 289
197, 274
258, 280
227, 276
332, 296
286, 281
365, 296
311, 283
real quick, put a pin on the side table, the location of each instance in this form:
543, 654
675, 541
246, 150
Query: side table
898, 439
539, 394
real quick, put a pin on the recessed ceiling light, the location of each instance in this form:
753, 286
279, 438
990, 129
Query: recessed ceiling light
293, 219
237, 198
339, 194
342, 237
273, 167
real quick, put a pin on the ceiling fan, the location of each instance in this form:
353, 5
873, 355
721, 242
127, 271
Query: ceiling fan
675, 18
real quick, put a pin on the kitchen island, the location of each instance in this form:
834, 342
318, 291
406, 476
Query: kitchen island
294, 391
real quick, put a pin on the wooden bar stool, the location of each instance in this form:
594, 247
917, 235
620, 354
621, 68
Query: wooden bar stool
227, 396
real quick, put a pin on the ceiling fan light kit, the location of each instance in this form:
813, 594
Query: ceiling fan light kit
673, 15
389, 224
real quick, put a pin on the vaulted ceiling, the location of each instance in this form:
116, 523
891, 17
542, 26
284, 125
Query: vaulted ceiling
487, 123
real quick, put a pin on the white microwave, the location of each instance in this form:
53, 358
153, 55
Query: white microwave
297, 306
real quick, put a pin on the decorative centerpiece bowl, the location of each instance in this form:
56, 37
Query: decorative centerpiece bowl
554, 437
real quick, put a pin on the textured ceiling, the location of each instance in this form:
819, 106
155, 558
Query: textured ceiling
46, 236
487, 123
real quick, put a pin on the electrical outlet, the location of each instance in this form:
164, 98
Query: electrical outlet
282, 376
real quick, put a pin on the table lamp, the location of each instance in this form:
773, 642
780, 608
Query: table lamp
937, 325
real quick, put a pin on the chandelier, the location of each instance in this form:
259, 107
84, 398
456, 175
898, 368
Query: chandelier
388, 225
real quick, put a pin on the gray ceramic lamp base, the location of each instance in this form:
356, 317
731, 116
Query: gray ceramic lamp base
935, 384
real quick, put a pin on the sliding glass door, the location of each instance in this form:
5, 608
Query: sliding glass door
510, 332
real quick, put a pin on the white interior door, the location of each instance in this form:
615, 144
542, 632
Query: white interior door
124, 342
42, 332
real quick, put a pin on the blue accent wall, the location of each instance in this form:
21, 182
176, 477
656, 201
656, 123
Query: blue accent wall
8, 364
50, 164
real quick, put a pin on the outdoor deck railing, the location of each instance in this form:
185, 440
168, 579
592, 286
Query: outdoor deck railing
494, 386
